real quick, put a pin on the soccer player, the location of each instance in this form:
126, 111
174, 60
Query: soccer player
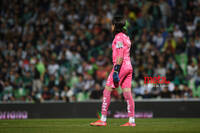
121, 73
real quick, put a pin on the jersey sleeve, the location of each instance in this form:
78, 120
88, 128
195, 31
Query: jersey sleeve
120, 47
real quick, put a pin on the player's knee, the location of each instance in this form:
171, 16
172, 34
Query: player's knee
106, 92
108, 88
127, 94
126, 90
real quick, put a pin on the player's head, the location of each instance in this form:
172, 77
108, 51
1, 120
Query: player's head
118, 24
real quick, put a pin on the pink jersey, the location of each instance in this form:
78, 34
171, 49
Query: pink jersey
121, 47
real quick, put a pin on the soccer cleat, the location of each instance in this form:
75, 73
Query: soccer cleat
128, 124
98, 123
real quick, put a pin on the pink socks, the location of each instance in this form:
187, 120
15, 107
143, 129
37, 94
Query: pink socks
130, 103
106, 102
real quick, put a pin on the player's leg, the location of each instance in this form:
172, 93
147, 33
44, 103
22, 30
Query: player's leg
104, 107
126, 88
130, 107
105, 102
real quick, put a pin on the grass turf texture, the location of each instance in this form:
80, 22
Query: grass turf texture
183, 125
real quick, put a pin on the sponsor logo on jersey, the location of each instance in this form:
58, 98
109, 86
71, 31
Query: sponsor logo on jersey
119, 44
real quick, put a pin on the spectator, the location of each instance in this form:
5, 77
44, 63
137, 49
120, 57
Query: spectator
177, 32
154, 10
8, 92
46, 94
165, 93
37, 83
197, 79
66, 94
56, 93
197, 42
165, 11
160, 70
192, 50
88, 83
97, 93
61, 83
177, 92
170, 45
158, 40
53, 68
180, 46
78, 87
146, 94
187, 92
51, 83
192, 70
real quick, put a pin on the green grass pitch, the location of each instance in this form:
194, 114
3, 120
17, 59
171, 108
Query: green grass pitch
169, 125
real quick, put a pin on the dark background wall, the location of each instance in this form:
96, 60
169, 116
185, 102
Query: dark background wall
90, 109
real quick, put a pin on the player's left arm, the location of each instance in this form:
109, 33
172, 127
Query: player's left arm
119, 60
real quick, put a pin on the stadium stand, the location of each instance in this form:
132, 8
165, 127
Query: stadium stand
61, 49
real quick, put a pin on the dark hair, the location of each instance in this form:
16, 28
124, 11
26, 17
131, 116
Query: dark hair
119, 23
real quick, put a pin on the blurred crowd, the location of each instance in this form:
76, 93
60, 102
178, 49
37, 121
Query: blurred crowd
61, 49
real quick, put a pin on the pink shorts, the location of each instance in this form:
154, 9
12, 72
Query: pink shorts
125, 76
